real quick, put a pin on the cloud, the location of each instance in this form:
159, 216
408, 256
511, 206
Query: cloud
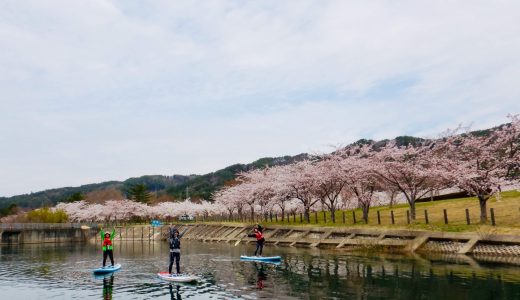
101, 90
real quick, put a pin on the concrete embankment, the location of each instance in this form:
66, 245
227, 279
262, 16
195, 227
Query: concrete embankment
345, 239
483, 245
45, 233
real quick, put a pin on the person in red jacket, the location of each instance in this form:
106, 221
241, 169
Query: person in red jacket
259, 241
107, 246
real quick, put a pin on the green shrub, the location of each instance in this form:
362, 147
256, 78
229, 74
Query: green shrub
46, 215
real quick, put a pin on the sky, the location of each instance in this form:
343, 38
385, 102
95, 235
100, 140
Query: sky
97, 90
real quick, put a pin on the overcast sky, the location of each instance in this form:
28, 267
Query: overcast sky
105, 90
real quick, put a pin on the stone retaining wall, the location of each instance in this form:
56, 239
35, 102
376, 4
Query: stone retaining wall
355, 238
10, 236
343, 239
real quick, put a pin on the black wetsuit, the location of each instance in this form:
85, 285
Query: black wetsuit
259, 242
110, 254
259, 247
175, 252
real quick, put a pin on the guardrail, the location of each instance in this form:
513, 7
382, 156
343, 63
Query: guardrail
28, 226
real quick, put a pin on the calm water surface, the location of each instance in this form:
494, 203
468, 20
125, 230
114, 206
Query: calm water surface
63, 271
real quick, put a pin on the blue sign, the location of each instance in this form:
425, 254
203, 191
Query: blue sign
155, 223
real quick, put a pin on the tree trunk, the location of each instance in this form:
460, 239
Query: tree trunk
283, 214
307, 214
252, 213
365, 209
482, 199
412, 210
333, 213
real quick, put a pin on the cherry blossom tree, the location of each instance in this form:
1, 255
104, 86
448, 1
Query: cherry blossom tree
331, 176
74, 210
277, 192
222, 198
391, 193
511, 140
412, 170
255, 189
362, 181
167, 210
301, 180
479, 162
231, 198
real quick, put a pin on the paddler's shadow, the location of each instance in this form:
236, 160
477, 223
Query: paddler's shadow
108, 285
177, 294
261, 275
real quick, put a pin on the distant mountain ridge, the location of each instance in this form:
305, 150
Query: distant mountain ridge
176, 186
180, 186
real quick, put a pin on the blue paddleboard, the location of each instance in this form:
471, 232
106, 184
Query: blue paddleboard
261, 258
107, 269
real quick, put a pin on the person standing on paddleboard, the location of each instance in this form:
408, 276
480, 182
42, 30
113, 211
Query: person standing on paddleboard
259, 227
259, 240
107, 239
175, 249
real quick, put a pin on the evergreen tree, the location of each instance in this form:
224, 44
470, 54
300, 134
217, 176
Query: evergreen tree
139, 193
77, 196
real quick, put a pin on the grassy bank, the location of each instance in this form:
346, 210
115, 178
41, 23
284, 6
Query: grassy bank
506, 210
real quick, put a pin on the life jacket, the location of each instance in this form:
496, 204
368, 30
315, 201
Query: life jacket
175, 243
259, 236
107, 244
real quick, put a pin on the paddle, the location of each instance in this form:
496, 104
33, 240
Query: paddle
238, 241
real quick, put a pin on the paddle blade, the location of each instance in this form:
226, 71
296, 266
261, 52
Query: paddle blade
237, 242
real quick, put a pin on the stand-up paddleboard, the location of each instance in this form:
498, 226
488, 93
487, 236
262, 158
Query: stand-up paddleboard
177, 277
107, 269
261, 258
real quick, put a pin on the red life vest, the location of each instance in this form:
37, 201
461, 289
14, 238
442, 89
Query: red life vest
107, 244
259, 235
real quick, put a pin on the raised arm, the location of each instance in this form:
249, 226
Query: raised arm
102, 232
180, 235
113, 234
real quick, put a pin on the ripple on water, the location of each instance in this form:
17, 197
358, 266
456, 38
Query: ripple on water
65, 271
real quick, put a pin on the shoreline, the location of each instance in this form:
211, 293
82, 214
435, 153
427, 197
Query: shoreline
351, 239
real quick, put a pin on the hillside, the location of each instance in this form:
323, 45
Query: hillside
203, 186
53, 196
505, 206
171, 187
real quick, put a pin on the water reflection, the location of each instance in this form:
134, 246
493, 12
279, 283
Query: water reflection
65, 271
108, 285
175, 292
261, 275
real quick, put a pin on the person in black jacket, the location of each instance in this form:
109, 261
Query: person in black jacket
175, 249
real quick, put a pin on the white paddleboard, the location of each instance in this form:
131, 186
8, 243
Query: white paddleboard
107, 269
177, 277
261, 258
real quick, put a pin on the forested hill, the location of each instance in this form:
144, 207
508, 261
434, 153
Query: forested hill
167, 187
203, 186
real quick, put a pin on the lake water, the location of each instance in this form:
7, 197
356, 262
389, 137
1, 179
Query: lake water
64, 271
